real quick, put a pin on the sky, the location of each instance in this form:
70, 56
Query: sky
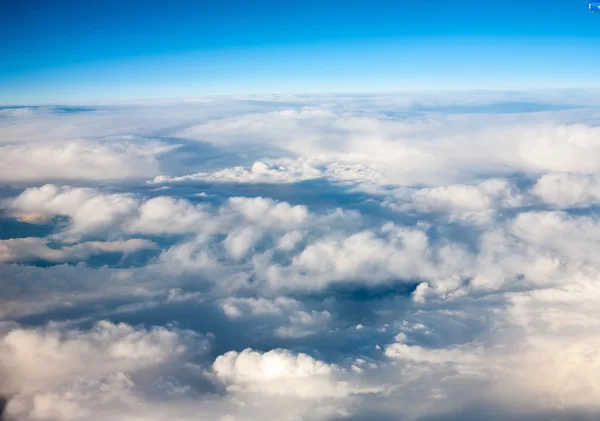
77, 52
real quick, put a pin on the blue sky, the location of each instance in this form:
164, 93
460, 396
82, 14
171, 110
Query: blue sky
73, 51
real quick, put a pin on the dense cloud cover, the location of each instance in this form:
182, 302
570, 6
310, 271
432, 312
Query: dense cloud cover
415, 258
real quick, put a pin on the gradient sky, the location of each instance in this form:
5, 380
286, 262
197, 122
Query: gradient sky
66, 51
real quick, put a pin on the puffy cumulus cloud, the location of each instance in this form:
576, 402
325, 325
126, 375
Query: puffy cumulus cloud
311, 256
384, 255
561, 369
537, 248
35, 359
480, 196
268, 171
568, 147
364, 252
28, 249
304, 323
462, 201
540, 345
79, 159
318, 249
61, 374
167, 215
565, 190
359, 257
413, 149
295, 386
252, 231
416, 353
240, 241
265, 211
289, 317
81, 400
538, 355
237, 307
91, 211
86, 208
279, 372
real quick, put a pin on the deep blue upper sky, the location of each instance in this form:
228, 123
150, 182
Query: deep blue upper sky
74, 51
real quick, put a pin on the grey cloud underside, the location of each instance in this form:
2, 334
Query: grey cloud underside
414, 258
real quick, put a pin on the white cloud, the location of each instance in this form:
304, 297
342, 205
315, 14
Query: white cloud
539, 352
269, 171
237, 307
166, 215
79, 159
488, 216
90, 211
290, 240
290, 319
239, 242
390, 253
565, 190
87, 209
41, 359
267, 212
567, 148
304, 323
460, 198
543, 247
27, 249
434, 150
279, 373
57, 374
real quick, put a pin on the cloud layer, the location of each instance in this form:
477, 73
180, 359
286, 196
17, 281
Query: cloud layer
414, 258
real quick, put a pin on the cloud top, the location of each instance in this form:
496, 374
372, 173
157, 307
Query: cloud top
324, 258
